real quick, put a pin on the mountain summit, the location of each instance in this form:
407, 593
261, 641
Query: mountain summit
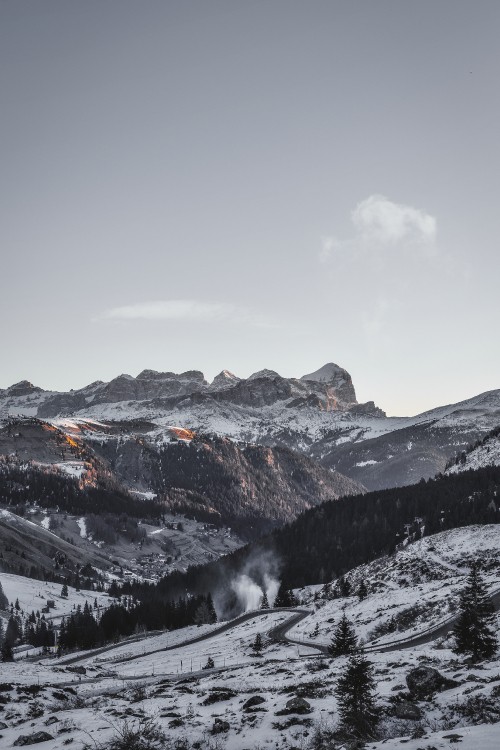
335, 376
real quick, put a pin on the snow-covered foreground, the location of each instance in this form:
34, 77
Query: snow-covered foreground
136, 680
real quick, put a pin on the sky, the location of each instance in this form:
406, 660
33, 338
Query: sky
244, 185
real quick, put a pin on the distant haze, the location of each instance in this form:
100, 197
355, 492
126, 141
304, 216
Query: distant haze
208, 185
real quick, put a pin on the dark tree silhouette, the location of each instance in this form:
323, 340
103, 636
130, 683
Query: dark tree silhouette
257, 644
362, 591
344, 638
474, 631
356, 698
283, 598
210, 663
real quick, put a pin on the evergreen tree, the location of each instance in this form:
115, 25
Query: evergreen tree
4, 602
12, 635
210, 663
282, 597
64, 591
356, 700
362, 591
344, 638
211, 608
474, 630
257, 644
345, 587
264, 604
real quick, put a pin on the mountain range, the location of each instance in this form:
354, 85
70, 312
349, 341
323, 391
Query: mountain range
316, 414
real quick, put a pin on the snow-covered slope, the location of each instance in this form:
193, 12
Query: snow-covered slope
137, 681
32, 595
485, 453
413, 589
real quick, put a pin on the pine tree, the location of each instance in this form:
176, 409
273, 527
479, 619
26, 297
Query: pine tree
257, 644
474, 630
264, 604
282, 597
344, 638
345, 587
362, 591
210, 663
356, 700
4, 602
64, 591
211, 608
12, 635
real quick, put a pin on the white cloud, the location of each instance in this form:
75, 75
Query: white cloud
379, 223
379, 219
185, 310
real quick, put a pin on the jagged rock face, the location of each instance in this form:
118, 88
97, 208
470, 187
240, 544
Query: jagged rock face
258, 391
366, 410
338, 382
330, 389
224, 379
147, 386
23, 388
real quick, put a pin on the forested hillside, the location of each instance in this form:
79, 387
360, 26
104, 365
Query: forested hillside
327, 541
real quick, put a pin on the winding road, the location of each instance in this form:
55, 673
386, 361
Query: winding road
278, 634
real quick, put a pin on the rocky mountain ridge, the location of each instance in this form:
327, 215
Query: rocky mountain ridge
317, 414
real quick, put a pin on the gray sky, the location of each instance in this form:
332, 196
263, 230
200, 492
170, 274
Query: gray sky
252, 184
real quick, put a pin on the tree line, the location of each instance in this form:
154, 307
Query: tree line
327, 541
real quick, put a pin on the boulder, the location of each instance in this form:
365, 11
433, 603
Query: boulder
406, 710
32, 739
220, 726
298, 706
423, 682
255, 700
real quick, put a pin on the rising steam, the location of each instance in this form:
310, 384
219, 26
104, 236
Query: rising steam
260, 574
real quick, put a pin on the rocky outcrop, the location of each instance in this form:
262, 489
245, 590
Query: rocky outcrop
220, 726
251, 705
32, 739
336, 379
423, 682
224, 379
408, 711
298, 706
23, 388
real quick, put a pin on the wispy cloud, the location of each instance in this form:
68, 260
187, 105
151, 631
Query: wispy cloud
379, 224
187, 310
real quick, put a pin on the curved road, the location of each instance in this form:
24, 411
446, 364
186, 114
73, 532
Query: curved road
278, 634
203, 637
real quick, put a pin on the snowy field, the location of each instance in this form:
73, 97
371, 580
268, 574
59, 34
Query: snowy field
33, 595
